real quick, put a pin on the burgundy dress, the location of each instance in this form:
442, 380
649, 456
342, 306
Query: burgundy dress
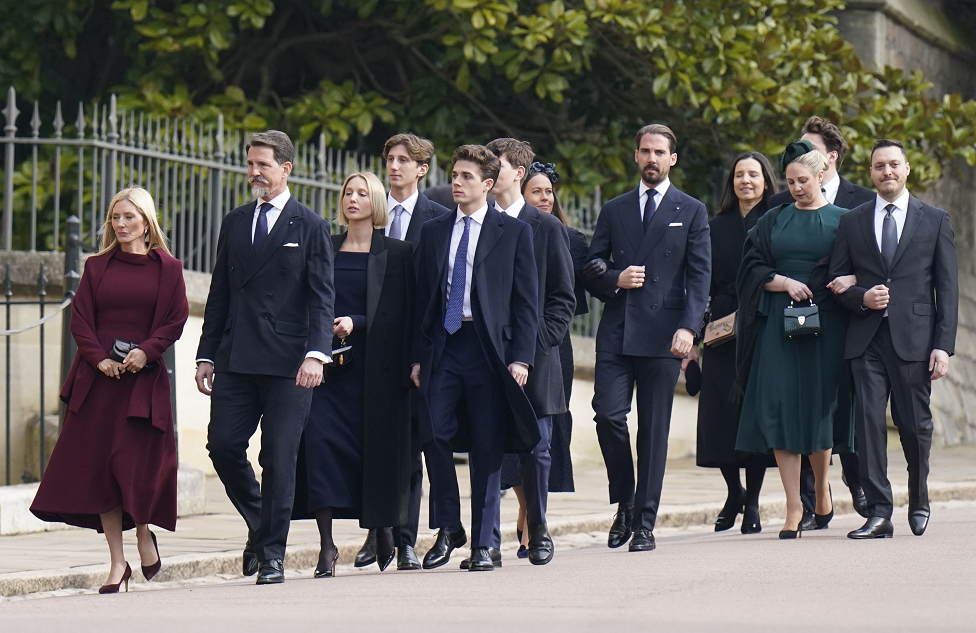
117, 445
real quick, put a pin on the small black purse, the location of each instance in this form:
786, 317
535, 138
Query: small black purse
799, 322
341, 361
120, 349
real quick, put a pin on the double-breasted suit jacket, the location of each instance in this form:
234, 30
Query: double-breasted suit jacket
504, 305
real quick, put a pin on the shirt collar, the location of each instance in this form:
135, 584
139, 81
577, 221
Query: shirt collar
408, 205
662, 188
278, 202
831, 188
516, 207
478, 216
901, 203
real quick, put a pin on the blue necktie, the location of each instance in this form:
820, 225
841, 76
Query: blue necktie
649, 209
261, 230
395, 226
455, 303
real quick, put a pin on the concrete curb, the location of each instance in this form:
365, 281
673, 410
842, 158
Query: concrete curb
188, 566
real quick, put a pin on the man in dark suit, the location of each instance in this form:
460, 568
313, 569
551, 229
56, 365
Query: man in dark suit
555, 308
903, 329
477, 310
267, 332
407, 162
828, 140
654, 241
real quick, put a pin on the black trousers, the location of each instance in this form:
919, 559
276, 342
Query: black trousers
238, 403
406, 534
615, 377
879, 374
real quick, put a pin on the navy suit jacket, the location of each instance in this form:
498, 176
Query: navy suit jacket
425, 209
676, 254
504, 305
266, 310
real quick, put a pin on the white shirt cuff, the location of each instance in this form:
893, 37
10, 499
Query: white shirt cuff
319, 356
204, 360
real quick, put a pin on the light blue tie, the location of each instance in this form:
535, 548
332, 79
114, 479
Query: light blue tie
395, 226
455, 303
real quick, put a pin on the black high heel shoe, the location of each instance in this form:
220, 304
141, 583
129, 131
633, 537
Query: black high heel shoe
384, 557
152, 570
726, 518
330, 572
750, 521
823, 520
115, 588
792, 534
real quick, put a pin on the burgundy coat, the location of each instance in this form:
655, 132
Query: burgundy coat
151, 396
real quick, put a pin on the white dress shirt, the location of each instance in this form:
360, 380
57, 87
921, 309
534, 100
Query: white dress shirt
515, 209
899, 214
659, 192
474, 232
830, 189
278, 203
408, 206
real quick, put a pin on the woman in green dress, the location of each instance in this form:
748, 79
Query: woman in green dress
797, 391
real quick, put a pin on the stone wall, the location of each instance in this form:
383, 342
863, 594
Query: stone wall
919, 35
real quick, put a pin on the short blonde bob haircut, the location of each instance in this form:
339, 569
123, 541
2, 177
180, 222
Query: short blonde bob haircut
141, 200
814, 161
377, 199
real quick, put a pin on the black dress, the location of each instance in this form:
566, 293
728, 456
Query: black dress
335, 428
718, 416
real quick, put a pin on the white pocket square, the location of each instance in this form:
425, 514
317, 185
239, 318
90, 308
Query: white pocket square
292, 244
676, 224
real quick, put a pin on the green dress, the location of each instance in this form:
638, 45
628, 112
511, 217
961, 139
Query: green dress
798, 397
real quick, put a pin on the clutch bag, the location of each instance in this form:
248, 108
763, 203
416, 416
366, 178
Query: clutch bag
120, 349
341, 360
803, 321
720, 331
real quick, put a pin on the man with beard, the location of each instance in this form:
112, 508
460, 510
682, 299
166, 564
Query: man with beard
902, 330
652, 268
267, 332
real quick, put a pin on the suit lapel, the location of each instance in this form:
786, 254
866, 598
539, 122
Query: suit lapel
912, 220
845, 194
664, 215
242, 238
441, 237
491, 232
630, 216
286, 220
870, 239
375, 273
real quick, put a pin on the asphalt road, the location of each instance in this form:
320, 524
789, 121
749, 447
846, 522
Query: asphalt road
695, 581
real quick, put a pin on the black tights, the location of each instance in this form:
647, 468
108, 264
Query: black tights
755, 473
328, 549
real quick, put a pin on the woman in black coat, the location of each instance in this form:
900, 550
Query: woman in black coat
357, 440
745, 198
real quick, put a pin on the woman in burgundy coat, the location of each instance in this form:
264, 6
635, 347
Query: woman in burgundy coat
114, 466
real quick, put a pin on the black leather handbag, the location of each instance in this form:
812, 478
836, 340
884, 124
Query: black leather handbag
341, 361
121, 349
804, 321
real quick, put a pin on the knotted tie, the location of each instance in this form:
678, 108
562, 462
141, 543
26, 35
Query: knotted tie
455, 302
395, 226
261, 230
649, 209
889, 236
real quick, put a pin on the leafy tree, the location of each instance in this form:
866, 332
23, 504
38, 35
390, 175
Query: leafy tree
574, 77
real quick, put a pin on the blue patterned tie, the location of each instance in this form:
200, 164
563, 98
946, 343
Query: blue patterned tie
261, 230
455, 302
395, 226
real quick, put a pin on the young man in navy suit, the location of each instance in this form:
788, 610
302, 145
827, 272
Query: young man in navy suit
267, 331
655, 246
477, 306
407, 162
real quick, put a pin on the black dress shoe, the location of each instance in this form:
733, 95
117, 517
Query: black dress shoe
731, 509
407, 559
271, 572
493, 552
366, 555
541, 548
643, 540
250, 566
875, 527
480, 560
809, 521
447, 542
860, 501
750, 521
621, 530
918, 520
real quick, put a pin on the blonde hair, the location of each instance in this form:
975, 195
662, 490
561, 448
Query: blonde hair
141, 200
377, 199
814, 161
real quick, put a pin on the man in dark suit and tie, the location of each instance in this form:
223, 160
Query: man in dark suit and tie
555, 308
654, 242
829, 141
407, 162
477, 310
267, 332
902, 331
